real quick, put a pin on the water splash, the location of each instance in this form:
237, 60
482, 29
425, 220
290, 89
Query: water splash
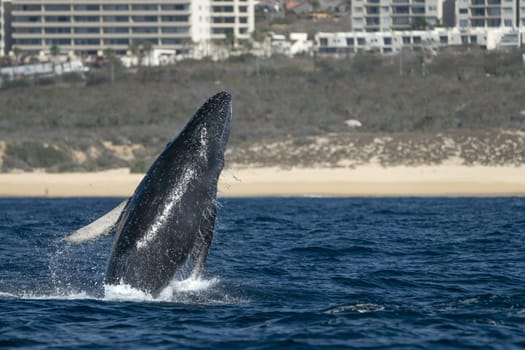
190, 290
125, 292
359, 308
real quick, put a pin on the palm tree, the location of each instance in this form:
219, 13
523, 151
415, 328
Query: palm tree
147, 49
54, 51
134, 49
17, 52
110, 55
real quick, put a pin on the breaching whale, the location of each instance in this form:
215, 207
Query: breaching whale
169, 221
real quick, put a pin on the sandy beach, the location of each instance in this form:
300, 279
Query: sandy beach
369, 180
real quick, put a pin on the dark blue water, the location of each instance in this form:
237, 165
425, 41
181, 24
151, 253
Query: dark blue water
282, 273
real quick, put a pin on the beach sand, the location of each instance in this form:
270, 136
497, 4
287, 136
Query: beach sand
368, 180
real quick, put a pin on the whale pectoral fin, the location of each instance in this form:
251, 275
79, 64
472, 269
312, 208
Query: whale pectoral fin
203, 242
99, 227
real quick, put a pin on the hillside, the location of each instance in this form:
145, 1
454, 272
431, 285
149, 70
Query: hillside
287, 112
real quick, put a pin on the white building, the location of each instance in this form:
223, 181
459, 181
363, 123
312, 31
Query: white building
89, 26
295, 44
388, 42
232, 18
382, 15
487, 13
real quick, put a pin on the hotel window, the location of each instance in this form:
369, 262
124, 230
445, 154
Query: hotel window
493, 22
28, 19
57, 30
120, 41
116, 7
175, 18
401, 9
115, 19
151, 40
401, 21
87, 30
172, 41
27, 8
87, 41
478, 23
144, 7
28, 42
387, 41
61, 19
144, 30
507, 23
223, 20
222, 8
57, 7
175, 30
87, 18
144, 18
361, 41
349, 41
58, 42
29, 30
87, 7
493, 12
110, 30
175, 7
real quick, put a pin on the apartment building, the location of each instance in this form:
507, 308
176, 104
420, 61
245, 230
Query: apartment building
232, 18
390, 42
383, 15
88, 26
487, 14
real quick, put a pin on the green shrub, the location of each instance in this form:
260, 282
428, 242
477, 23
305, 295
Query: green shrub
37, 155
139, 166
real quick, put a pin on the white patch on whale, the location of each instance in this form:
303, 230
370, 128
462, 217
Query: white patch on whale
179, 190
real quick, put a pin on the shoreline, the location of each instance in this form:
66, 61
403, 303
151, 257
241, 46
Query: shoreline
363, 181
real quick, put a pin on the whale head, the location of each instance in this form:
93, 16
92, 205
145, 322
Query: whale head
207, 133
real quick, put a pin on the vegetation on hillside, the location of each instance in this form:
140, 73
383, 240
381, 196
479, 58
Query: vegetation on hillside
274, 99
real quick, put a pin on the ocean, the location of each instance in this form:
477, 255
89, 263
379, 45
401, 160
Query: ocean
297, 273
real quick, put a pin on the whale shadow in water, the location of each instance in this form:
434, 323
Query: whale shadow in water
169, 221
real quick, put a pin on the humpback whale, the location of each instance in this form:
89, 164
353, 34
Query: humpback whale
168, 223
